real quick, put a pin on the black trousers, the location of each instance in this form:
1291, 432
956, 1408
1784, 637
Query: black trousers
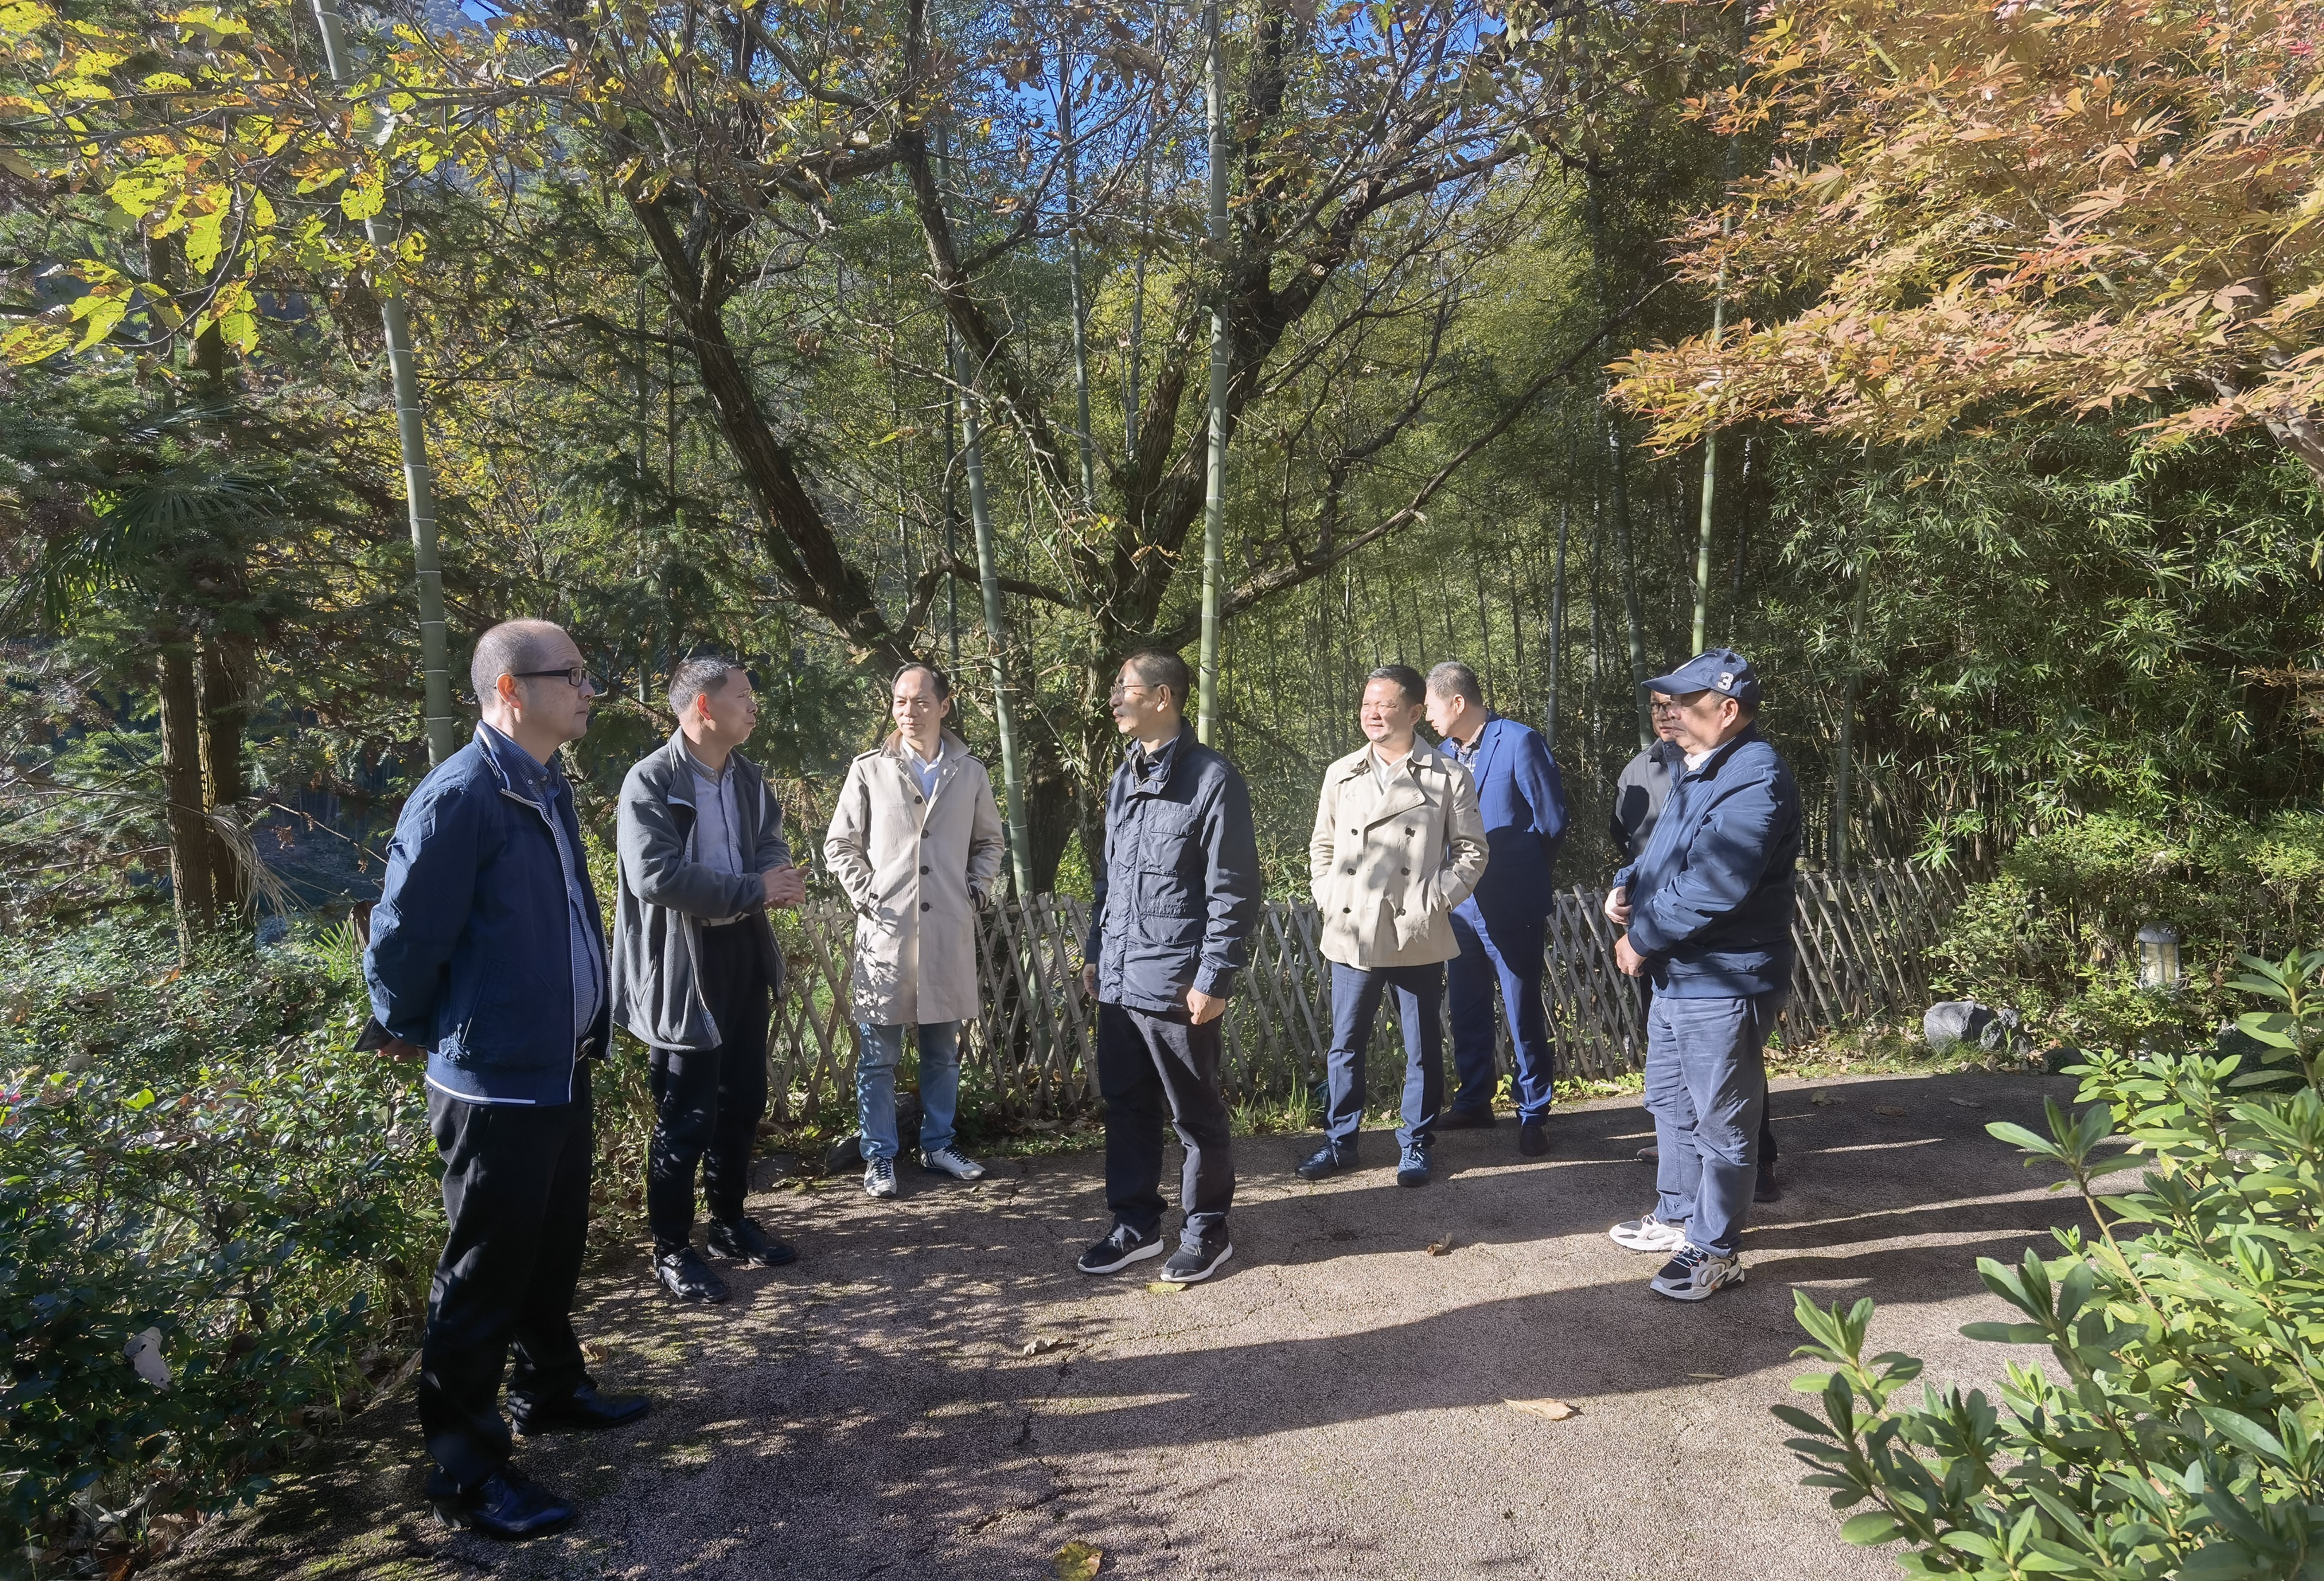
708, 1103
1151, 1067
516, 1192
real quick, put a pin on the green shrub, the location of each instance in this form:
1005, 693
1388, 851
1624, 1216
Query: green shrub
2182, 1431
2053, 934
197, 1153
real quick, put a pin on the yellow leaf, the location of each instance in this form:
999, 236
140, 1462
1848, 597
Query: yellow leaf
1165, 1287
1438, 1248
1554, 1410
1078, 1562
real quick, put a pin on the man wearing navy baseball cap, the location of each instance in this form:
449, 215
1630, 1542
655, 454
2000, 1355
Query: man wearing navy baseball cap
1708, 910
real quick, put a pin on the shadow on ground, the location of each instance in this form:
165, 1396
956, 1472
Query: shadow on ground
1335, 1400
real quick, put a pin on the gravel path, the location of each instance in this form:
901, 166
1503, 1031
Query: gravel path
1334, 1403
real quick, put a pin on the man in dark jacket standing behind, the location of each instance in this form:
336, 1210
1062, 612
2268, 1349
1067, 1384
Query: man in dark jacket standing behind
1178, 899
1708, 913
488, 955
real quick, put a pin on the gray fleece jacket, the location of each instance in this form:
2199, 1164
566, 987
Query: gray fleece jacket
665, 894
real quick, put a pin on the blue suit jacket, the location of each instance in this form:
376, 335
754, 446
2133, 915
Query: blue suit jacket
1524, 804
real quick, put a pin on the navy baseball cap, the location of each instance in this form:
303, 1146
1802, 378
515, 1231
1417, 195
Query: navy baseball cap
1721, 670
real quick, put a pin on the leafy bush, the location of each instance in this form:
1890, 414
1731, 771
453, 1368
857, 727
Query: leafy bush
2054, 934
197, 1155
2182, 1434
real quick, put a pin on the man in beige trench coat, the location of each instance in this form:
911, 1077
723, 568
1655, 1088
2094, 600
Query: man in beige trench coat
916, 843
1398, 842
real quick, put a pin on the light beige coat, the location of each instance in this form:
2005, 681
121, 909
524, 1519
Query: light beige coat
915, 868
1389, 864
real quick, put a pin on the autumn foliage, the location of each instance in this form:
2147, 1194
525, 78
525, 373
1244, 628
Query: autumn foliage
1969, 207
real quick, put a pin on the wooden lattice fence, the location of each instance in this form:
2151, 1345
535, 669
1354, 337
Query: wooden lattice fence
1863, 939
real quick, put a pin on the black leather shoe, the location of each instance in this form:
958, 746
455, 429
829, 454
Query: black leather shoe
1533, 1139
1466, 1120
585, 1411
1766, 1188
744, 1242
684, 1275
508, 1505
1326, 1160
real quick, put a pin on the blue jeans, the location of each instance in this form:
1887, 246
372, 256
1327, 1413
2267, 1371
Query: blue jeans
1707, 1090
875, 1086
1512, 957
1355, 1000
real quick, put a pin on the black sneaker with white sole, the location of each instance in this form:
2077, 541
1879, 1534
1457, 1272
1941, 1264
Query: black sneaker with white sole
1123, 1246
1694, 1274
1192, 1267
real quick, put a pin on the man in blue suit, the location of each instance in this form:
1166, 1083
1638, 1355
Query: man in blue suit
1503, 928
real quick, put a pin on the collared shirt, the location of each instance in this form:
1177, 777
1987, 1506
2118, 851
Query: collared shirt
1695, 760
717, 830
1382, 770
537, 782
925, 768
1154, 765
1461, 751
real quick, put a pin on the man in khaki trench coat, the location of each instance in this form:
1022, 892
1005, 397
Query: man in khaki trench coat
1399, 844
916, 843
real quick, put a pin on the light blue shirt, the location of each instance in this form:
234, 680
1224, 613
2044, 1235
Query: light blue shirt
925, 770
546, 786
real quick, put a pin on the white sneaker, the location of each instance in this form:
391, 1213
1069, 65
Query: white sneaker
1695, 1275
879, 1177
953, 1161
1647, 1233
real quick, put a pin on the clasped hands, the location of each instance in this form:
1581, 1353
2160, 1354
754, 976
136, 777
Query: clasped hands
1201, 1008
1618, 911
784, 885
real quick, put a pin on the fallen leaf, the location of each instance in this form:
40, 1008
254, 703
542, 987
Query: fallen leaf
1965, 1103
1164, 1287
1890, 1110
1438, 1248
1036, 1346
1078, 1562
1555, 1409
1824, 1099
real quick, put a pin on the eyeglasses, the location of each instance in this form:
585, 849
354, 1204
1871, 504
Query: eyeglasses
1122, 690
576, 677
1663, 705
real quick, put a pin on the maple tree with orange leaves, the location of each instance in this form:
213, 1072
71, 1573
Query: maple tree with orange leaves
2081, 206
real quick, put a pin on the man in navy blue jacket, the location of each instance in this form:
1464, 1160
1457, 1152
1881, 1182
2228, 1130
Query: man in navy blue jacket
1177, 900
1503, 928
487, 955
1708, 911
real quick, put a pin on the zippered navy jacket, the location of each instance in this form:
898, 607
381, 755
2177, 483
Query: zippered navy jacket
1710, 900
470, 952
1179, 896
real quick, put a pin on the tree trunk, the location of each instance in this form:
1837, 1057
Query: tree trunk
1841, 752
190, 890
1632, 621
226, 667
1556, 637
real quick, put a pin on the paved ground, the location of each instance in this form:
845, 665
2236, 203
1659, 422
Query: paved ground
1333, 1404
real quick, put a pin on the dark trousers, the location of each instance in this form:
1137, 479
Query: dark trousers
1512, 959
1769, 1152
1152, 1066
708, 1103
1355, 1002
516, 1192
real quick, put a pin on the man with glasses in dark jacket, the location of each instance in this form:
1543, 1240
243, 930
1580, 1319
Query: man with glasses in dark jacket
487, 955
1177, 900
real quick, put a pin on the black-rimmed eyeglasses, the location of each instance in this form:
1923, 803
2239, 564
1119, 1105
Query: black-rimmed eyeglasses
576, 677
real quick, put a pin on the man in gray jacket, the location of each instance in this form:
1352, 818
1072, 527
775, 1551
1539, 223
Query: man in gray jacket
694, 966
